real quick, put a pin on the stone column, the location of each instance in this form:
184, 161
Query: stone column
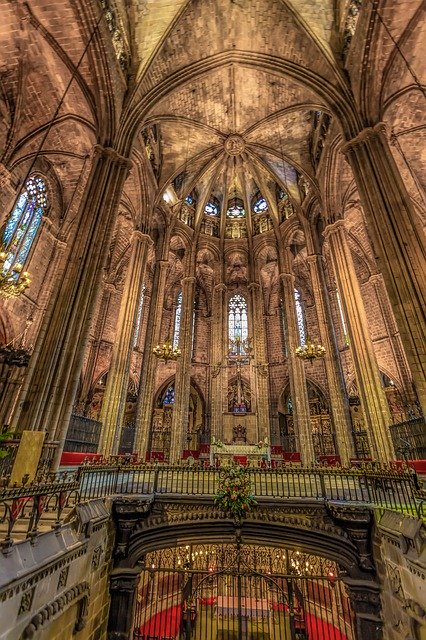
183, 372
398, 241
296, 370
373, 398
219, 344
149, 363
364, 596
260, 365
393, 333
123, 589
47, 395
114, 401
336, 384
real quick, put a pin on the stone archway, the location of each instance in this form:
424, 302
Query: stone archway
339, 536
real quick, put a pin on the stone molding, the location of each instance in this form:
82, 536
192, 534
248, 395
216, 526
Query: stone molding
27, 583
55, 608
363, 136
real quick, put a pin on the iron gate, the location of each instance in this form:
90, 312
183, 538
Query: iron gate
219, 593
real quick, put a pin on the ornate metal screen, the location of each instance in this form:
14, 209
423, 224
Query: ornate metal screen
233, 592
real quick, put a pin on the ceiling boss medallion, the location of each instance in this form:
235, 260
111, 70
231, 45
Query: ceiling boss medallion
234, 145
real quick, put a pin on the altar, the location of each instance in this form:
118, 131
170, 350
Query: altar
244, 453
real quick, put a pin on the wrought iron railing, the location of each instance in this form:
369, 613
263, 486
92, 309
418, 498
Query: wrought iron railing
385, 488
409, 439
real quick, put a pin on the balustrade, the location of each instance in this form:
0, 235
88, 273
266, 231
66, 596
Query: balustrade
378, 488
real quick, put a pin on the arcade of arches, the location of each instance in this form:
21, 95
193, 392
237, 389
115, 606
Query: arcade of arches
238, 177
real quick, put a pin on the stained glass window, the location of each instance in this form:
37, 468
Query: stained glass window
190, 199
260, 205
236, 209
169, 396
211, 209
237, 319
342, 318
23, 222
300, 317
139, 318
178, 314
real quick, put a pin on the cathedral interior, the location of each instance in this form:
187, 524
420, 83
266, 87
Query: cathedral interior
212, 313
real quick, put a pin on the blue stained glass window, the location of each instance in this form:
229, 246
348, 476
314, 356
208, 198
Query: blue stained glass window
189, 199
237, 319
211, 209
260, 205
23, 222
300, 317
169, 396
178, 314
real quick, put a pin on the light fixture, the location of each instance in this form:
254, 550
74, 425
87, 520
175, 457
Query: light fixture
310, 351
13, 281
167, 351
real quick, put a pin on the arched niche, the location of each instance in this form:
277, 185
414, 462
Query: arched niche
196, 430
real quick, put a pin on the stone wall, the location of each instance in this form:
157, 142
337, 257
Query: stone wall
400, 553
57, 586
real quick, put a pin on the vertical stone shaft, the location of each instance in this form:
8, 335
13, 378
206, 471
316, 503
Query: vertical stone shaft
48, 392
218, 369
260, 365
336, 384
114, 401
394, 336
149, 363
183, 371
398, 241
298, 389
374, 403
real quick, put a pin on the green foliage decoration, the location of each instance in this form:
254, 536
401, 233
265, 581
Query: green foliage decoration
235, 496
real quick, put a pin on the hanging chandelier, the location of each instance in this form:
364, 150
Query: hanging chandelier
13, 281
167, 351
310, 351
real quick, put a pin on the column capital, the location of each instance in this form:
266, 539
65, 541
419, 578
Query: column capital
188, 280
363, 136
140, 235
112, 154
286, 276
334, 228
253, 286
375, 278
220, 287
313, 258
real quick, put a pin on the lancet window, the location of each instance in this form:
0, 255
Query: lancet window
300, 317
237, 320
139, 318
178, 313
24, 221
342, 318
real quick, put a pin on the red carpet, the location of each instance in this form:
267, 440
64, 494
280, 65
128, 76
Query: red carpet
321, 630
163, 625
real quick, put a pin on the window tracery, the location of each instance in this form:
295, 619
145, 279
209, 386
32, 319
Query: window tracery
24, 221
237, 319
300, 317
178, 313
236, 209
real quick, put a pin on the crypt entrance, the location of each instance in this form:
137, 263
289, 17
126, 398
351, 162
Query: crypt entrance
240, 592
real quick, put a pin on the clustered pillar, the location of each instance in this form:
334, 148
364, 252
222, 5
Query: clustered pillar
372, 395
49, 390
114, 401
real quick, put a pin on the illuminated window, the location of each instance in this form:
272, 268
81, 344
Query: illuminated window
211, 209
169, 396
260, 206
178, 314
300, 317
342, 318
237, 318
139, 318
23, 222
235, 209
